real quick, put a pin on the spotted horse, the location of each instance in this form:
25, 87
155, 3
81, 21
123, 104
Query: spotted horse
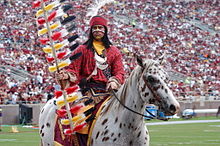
115, 125
118, 126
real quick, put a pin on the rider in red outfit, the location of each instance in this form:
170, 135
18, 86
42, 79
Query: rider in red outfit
97, 70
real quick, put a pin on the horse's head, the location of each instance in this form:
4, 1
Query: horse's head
153, 86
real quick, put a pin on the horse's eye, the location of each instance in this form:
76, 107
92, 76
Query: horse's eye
150, 79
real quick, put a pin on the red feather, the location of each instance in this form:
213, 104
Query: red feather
43, 40
56, 36
52, 16
61, 55
71, 89
58, 94
76, 108
68, 131
50, 59
79, 127
36, 4
41, 21
61, 112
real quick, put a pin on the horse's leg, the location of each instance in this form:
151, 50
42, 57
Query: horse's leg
47, 123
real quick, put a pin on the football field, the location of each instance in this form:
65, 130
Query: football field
189, 134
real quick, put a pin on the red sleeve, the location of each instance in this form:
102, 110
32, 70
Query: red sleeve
117, 67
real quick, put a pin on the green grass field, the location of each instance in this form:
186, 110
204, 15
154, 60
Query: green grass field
25, 137
198, 134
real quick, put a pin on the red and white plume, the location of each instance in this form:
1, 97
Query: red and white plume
98, 4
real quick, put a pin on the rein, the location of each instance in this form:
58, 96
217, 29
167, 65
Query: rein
153, 116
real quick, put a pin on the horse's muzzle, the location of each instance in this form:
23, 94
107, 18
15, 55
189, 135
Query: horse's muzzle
173, 109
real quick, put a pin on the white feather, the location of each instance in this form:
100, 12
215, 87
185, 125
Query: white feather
98, 4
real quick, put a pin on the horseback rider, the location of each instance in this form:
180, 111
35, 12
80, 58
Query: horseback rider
98, 70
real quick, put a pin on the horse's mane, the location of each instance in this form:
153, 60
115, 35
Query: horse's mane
134, 76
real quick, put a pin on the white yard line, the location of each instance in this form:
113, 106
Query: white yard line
182, 122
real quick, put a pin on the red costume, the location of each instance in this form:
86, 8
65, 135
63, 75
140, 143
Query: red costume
84, 66
95, 70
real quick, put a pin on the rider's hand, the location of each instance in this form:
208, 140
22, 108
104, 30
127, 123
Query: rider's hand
112, 86
62, 75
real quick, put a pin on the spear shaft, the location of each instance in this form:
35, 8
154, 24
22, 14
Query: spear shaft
56, 63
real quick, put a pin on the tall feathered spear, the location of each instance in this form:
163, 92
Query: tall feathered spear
45, 17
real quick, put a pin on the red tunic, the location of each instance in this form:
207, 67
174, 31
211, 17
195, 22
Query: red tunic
84, 66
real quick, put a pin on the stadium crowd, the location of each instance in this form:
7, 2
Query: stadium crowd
149, 27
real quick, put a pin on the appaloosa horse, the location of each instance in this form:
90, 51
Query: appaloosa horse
116, 125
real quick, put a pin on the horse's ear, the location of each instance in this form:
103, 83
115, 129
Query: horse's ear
139, 61
161, 59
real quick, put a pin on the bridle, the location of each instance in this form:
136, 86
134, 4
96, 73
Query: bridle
154, 94
154, 117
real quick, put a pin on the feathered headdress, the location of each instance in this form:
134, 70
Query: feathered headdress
98, 4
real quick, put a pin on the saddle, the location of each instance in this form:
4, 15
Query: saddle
98, 97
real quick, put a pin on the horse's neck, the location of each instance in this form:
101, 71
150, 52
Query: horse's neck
130, 97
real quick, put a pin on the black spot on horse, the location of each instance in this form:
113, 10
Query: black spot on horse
139, 134
145, 138
104, 121
146, 132
119, 134
42, 110
106, 127
166, 91
146, 94
42, 127
114, 139
106, 132
120, 125
48, 144
135, 106
54, 102
48, 125
131, 142
112, 134
116, 119
124, 125
42, 135
97, 135
40, 131
105, 138
129, 126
